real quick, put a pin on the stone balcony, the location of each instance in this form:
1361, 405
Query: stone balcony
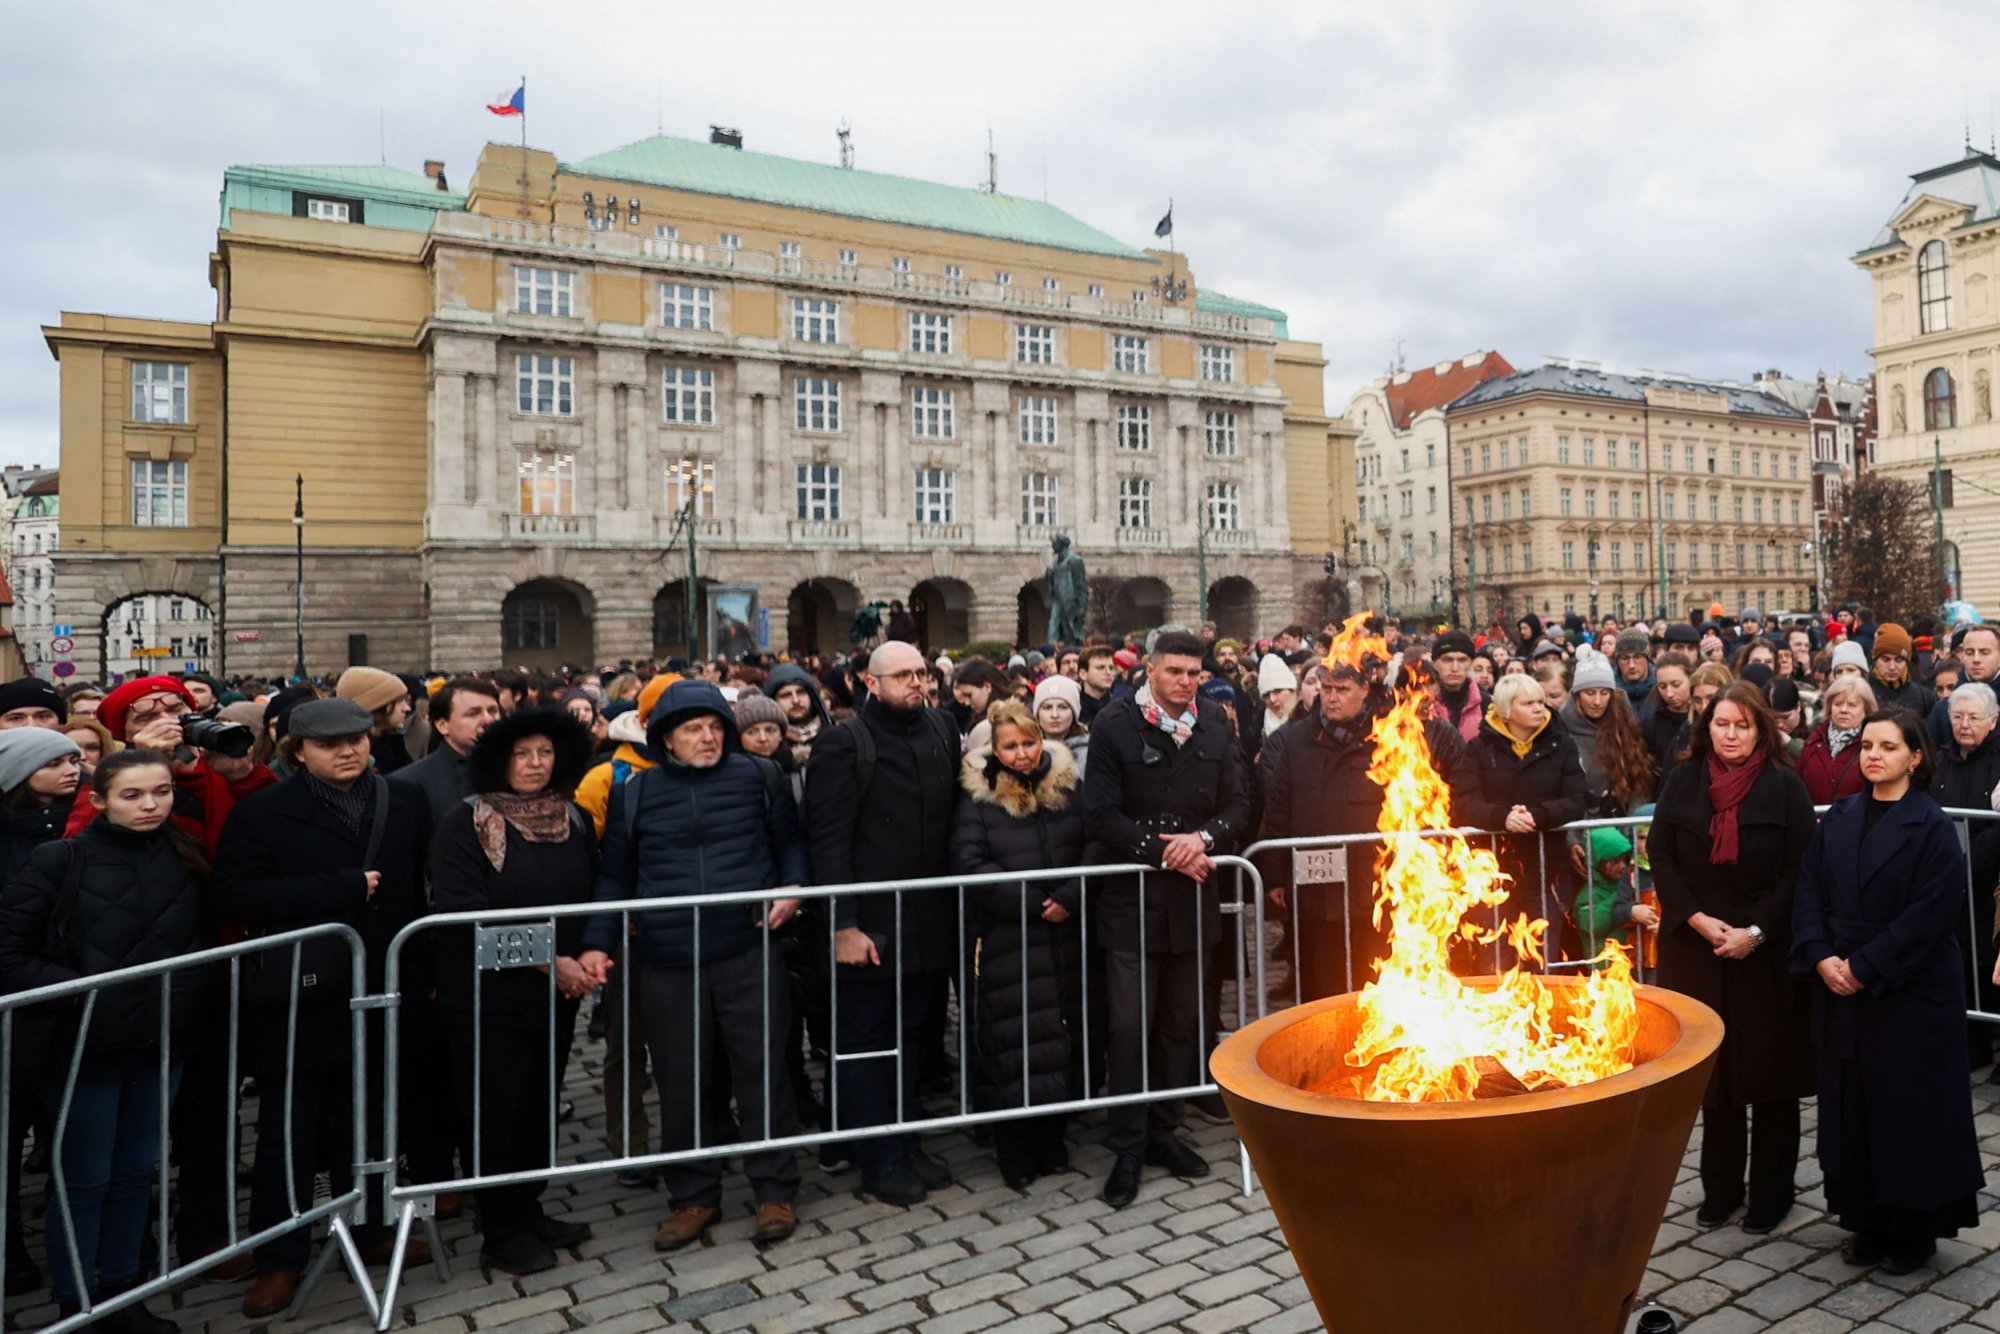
549, 527
1142, 538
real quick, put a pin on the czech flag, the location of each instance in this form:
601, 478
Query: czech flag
515, 104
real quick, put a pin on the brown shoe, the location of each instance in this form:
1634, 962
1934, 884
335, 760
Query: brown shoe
418, 1252
776, 1220
233, 1270
684, 1227
271, 1293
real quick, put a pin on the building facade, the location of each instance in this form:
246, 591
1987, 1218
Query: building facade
1842, 413
1937, 351
1577, 490
680, 395
1398, 541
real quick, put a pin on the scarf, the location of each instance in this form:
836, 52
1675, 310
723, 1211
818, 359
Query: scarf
542, 818
1726, 789
1180, 729
995, 771
1521, 747
1838, 740
350, 806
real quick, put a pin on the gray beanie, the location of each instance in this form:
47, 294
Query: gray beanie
1592, 672
753, 708
1631, 640
1849, 654
26, 749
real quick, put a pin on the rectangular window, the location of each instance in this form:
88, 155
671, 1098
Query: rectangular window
1590, 501
819, 492
1135, 426
1218, 363
1527, 555
1637, 506
932, 413
1503, 453
1589, 452
1637, 463
1038, 419
1225, 508
160, 392
954, 271
1051, 285
548, 483
1097, 289
1757, 510
159, 493
1431, 501
1562, 502
1130, 353
1486, 508
1507, 558
1736, 463
689, 396
1434, 542
685, 307
1035, 344
1612, 498
1711, 473
1410, 507
900, 264
691, 479
1687, 457
847, 258
1521, 450
1506, 504
1667, 505
1135, 502
1219, 430
1741, 561
788, 256
1431, 454
1795, 511
815, 403
1617, 555
329, 210
937, 495
1715, 555
544, 386
1757, 465
1041, 499
729, 241
1004, 278
815, 321
930, 331
1524, 502
1795, 467
666, 233
1562, 450
1485, 458
1714, 512
1738, 506
541, 291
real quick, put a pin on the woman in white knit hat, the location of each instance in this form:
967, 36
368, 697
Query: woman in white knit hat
1059, 710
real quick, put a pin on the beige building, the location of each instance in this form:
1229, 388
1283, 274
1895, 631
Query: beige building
511, 411
1578, 490
1937, 352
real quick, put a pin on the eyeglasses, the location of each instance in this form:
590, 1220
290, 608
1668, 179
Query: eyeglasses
902, 675
1967, 719
171, 706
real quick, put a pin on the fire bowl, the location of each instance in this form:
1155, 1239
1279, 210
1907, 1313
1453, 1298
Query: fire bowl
1517, 1215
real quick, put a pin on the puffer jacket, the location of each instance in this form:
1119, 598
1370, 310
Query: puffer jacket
135, 903
1549, 781
1029, 982
717, 830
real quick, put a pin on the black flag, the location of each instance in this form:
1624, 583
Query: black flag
1165, 227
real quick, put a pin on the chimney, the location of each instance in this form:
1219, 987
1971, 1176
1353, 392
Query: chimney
727, 136
435, 170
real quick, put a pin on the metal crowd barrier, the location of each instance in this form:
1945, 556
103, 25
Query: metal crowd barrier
76, 1002
525, 938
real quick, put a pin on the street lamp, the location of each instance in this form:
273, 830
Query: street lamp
299, 589
1590, 560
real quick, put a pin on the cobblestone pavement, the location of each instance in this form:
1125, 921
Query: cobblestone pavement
978, 1255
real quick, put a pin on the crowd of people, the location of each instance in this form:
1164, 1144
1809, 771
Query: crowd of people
1837, 949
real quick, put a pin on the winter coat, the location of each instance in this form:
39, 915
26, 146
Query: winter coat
1967, 782
1142, 787
441, 778
135, 903
1583, 731
1829, 777
25, 830
898, 829
1603, 908
1889, 904
1029, 984
1664, 731
1549, 781
535, 875
203, 800
1910, 695
1765, 1052
593, 794
1470, 714
718, 830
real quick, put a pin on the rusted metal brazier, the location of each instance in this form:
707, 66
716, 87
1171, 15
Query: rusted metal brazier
1527, 1214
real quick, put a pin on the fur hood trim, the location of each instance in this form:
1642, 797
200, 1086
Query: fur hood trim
1055, 791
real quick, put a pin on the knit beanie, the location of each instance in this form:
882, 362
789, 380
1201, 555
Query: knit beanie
31, 692
1452, 641
1273, 674
754, 706
26, 749
1218, 690
370, 687
1849, 654
1632, 640
1592, 672
1892, 638
116, 704
650, 693
1062, 688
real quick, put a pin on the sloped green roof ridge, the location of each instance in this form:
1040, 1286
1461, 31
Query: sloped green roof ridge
715, 169
390, 184
1217, 304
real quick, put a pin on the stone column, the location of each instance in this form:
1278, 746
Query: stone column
889, 479
448, 438
486, 449
993, 400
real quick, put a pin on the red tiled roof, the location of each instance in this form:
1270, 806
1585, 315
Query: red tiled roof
6, 590
1428, 388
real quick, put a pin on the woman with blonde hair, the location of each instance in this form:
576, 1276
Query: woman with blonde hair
1830, 761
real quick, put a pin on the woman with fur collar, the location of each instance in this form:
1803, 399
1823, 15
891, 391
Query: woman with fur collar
1020, 809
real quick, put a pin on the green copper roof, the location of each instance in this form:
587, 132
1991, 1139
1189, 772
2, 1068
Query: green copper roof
715, 169
393, 197
1217, 304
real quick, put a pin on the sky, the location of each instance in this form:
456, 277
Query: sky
1668, 185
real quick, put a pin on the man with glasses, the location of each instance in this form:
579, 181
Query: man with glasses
1890, 678
1632, 652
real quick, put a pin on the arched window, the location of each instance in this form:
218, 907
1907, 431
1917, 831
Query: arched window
1933, 296
531, 623
1940, 410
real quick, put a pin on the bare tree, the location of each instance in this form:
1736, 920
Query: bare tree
1880, 548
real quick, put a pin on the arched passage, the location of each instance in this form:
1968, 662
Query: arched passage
670, 624
147, 633
1232, 605
545, 623
943, 611
1144, 603
818, 613
1031, 615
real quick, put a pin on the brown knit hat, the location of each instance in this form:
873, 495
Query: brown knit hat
1892, 638
753, 707
371, 687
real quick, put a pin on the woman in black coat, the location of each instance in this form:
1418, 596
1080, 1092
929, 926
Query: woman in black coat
519, 843
1728, 833
1020, 810
1530, 783
1880, 895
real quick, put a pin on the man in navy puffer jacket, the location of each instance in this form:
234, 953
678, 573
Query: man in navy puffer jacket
706, 821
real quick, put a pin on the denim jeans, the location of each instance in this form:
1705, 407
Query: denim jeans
108, 1150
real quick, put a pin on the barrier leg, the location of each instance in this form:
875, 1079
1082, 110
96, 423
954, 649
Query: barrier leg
405, 1215
440, 1258
339, 1241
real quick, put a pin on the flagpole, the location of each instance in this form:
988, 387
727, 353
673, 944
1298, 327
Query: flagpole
524, 148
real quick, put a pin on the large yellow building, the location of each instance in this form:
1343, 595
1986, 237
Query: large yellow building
510, 410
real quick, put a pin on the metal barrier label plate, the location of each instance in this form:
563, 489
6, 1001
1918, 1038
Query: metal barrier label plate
516, 945
1319, 866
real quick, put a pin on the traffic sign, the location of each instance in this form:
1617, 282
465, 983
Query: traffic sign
152, 653
62, 644
60, 630
64, 669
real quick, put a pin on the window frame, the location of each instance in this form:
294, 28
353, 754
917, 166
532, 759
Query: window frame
530, 288
935, 495
1038, 420
817, 486
531, 376
930, 332
170, 488
684, 402
1135, 501
687, 306
933, 412
146, 387
545, 489
1133, 426
691, 474
815, 319
816, 404
1131, 354
1219, 428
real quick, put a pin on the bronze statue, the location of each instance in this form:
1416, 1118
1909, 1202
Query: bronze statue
1069, 593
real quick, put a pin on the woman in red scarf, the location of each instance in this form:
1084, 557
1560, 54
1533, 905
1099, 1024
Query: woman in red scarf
1731, 826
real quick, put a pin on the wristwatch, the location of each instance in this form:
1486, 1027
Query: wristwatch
1207, 839
1756, 935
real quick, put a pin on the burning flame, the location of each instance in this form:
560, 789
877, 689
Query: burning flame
1424, 1035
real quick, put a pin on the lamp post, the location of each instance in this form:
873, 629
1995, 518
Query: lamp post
299, 587
1590, 562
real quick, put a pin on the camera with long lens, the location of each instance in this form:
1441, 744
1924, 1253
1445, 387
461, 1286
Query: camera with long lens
207, 732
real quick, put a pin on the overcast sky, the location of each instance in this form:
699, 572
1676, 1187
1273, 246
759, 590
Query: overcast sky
1674, 185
